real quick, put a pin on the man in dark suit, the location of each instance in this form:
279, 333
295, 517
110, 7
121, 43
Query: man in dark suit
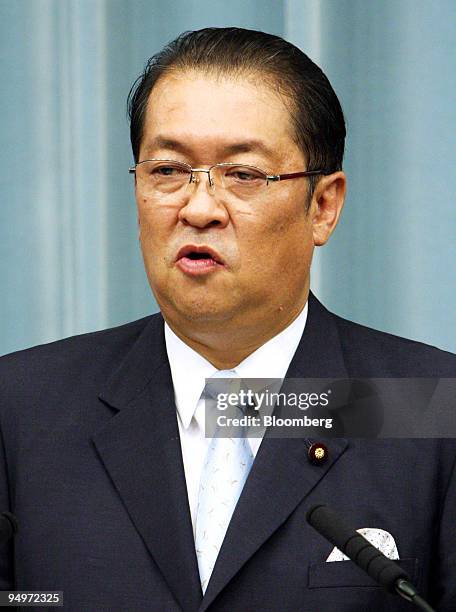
102, 446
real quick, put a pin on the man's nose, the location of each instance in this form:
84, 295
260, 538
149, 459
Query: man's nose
202, 207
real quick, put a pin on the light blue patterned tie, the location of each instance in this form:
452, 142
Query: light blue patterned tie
225, 470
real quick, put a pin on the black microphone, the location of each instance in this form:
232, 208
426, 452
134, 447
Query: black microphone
381, 569
8, 526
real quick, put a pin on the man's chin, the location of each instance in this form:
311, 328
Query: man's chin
198, 312
200, 305
205, 315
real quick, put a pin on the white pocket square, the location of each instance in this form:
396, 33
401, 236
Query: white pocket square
379, 538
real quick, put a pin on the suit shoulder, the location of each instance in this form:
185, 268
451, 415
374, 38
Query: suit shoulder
94, 351
371, 352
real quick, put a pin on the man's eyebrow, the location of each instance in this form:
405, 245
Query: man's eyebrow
246, 146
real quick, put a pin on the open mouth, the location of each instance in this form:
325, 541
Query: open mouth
197, 260
194, 256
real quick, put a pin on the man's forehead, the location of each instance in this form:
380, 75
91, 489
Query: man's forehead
231, 116
232, 145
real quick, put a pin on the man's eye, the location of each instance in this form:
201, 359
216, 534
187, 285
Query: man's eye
243, 176
167, 171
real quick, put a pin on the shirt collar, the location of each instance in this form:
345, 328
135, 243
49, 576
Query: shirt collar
189, 369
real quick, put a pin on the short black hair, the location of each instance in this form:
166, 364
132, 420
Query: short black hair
316, 113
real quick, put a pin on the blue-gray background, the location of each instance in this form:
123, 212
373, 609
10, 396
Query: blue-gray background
69, 255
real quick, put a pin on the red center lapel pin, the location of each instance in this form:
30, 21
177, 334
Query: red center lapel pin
318, 453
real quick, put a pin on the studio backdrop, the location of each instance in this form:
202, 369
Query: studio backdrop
69, 254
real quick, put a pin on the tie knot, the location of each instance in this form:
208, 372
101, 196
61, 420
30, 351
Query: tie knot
225, 398
225, 374
222, 381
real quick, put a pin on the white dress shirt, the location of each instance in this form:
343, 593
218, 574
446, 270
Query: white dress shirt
189, 371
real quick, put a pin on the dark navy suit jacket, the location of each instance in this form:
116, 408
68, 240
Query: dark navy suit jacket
90, 463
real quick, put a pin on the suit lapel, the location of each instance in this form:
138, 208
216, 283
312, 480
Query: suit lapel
281, 475
140, 450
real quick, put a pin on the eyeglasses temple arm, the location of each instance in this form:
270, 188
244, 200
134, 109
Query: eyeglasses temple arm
284, 177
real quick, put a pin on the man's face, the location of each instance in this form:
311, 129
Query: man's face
264, 243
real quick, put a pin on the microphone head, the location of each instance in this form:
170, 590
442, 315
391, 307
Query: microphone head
329, 525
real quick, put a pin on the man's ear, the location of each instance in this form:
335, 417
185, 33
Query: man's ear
326, 205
